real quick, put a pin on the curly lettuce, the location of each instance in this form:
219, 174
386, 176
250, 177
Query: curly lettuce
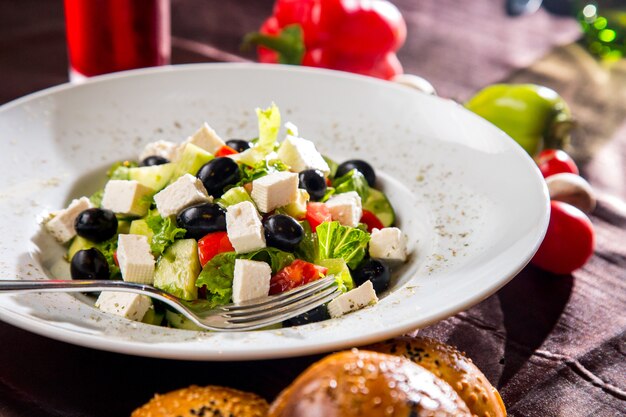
269, 126
337, 241
165, 232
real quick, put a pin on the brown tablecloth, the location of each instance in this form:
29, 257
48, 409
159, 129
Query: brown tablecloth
554, 346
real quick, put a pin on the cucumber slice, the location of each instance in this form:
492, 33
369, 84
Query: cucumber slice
179, 321
140, 227
155, 177
178, 268
378, 204
153, 317
191, 160
233, 196
79, 243
123, 227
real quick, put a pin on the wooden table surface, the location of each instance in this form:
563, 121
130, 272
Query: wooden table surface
554, 346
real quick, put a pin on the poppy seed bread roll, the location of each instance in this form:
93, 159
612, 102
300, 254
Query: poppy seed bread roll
204, 401
452, 366
367, 384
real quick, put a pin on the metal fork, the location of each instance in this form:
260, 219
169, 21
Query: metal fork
250, 315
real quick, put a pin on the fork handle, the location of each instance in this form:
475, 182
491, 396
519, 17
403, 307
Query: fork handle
72, 286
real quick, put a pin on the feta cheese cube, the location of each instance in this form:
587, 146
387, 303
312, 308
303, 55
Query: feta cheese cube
127, 197
251, 280
61, 225
206, 138
301, 154
353, 300
125, 304
162, 148
275, 190
346, 208
388, 243
135, 258
244, 227
186, 191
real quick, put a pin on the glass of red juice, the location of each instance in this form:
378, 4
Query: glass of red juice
114, 35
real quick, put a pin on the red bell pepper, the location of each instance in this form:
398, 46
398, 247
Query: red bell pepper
358, 36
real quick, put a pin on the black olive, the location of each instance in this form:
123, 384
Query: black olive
373, 270
202, 219
217, 174
89, 264
96, 224
282, 232
239, 145
319, 313
313, 181
361, 166
154, 160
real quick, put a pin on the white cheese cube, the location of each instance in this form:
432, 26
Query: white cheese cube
300, 154
129, 198
388, 243
275, 190
251, 280
186, 191
206, 138
244, 227
353, 300
162, 148
61, 225
346, 208
135, 258
125, 304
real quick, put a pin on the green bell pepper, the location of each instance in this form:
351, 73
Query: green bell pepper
535, 116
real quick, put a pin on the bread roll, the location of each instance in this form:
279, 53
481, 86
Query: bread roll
204, 401
367, 384
453, 367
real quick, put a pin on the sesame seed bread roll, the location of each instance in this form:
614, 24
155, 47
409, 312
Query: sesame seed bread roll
204, 401
452, 366
367, 384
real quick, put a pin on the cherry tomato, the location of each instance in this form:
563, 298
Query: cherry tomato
317, 213
298, 273
212, 244
371, 221
569, 241
225, 151
555, 161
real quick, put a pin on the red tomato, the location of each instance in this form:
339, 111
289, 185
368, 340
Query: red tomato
569, 241
212, 244
371, 221
225, 150
298, 273
555, 161
317, 213
117, 263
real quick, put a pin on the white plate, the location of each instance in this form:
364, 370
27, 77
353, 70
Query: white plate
472, 202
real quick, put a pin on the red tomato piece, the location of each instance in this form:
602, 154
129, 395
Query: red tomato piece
317, 213
371, 221
117, 263
569, 241
297, 273
212, 244
555, 161
225, 150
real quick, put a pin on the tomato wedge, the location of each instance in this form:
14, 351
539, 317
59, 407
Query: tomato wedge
225, 151
212, 244
317, 213
297, 273
371, 221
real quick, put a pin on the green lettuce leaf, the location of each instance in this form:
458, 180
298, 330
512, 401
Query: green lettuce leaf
260, 169
108, 248
352, 181
332, 165
120, 170
217, 275
307, 248
276, 258
339, 269
337, 241
269, 125
165, 232
96, 198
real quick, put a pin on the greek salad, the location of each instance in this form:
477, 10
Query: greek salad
231, 221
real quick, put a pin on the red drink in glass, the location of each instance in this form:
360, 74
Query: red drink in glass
114, 35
